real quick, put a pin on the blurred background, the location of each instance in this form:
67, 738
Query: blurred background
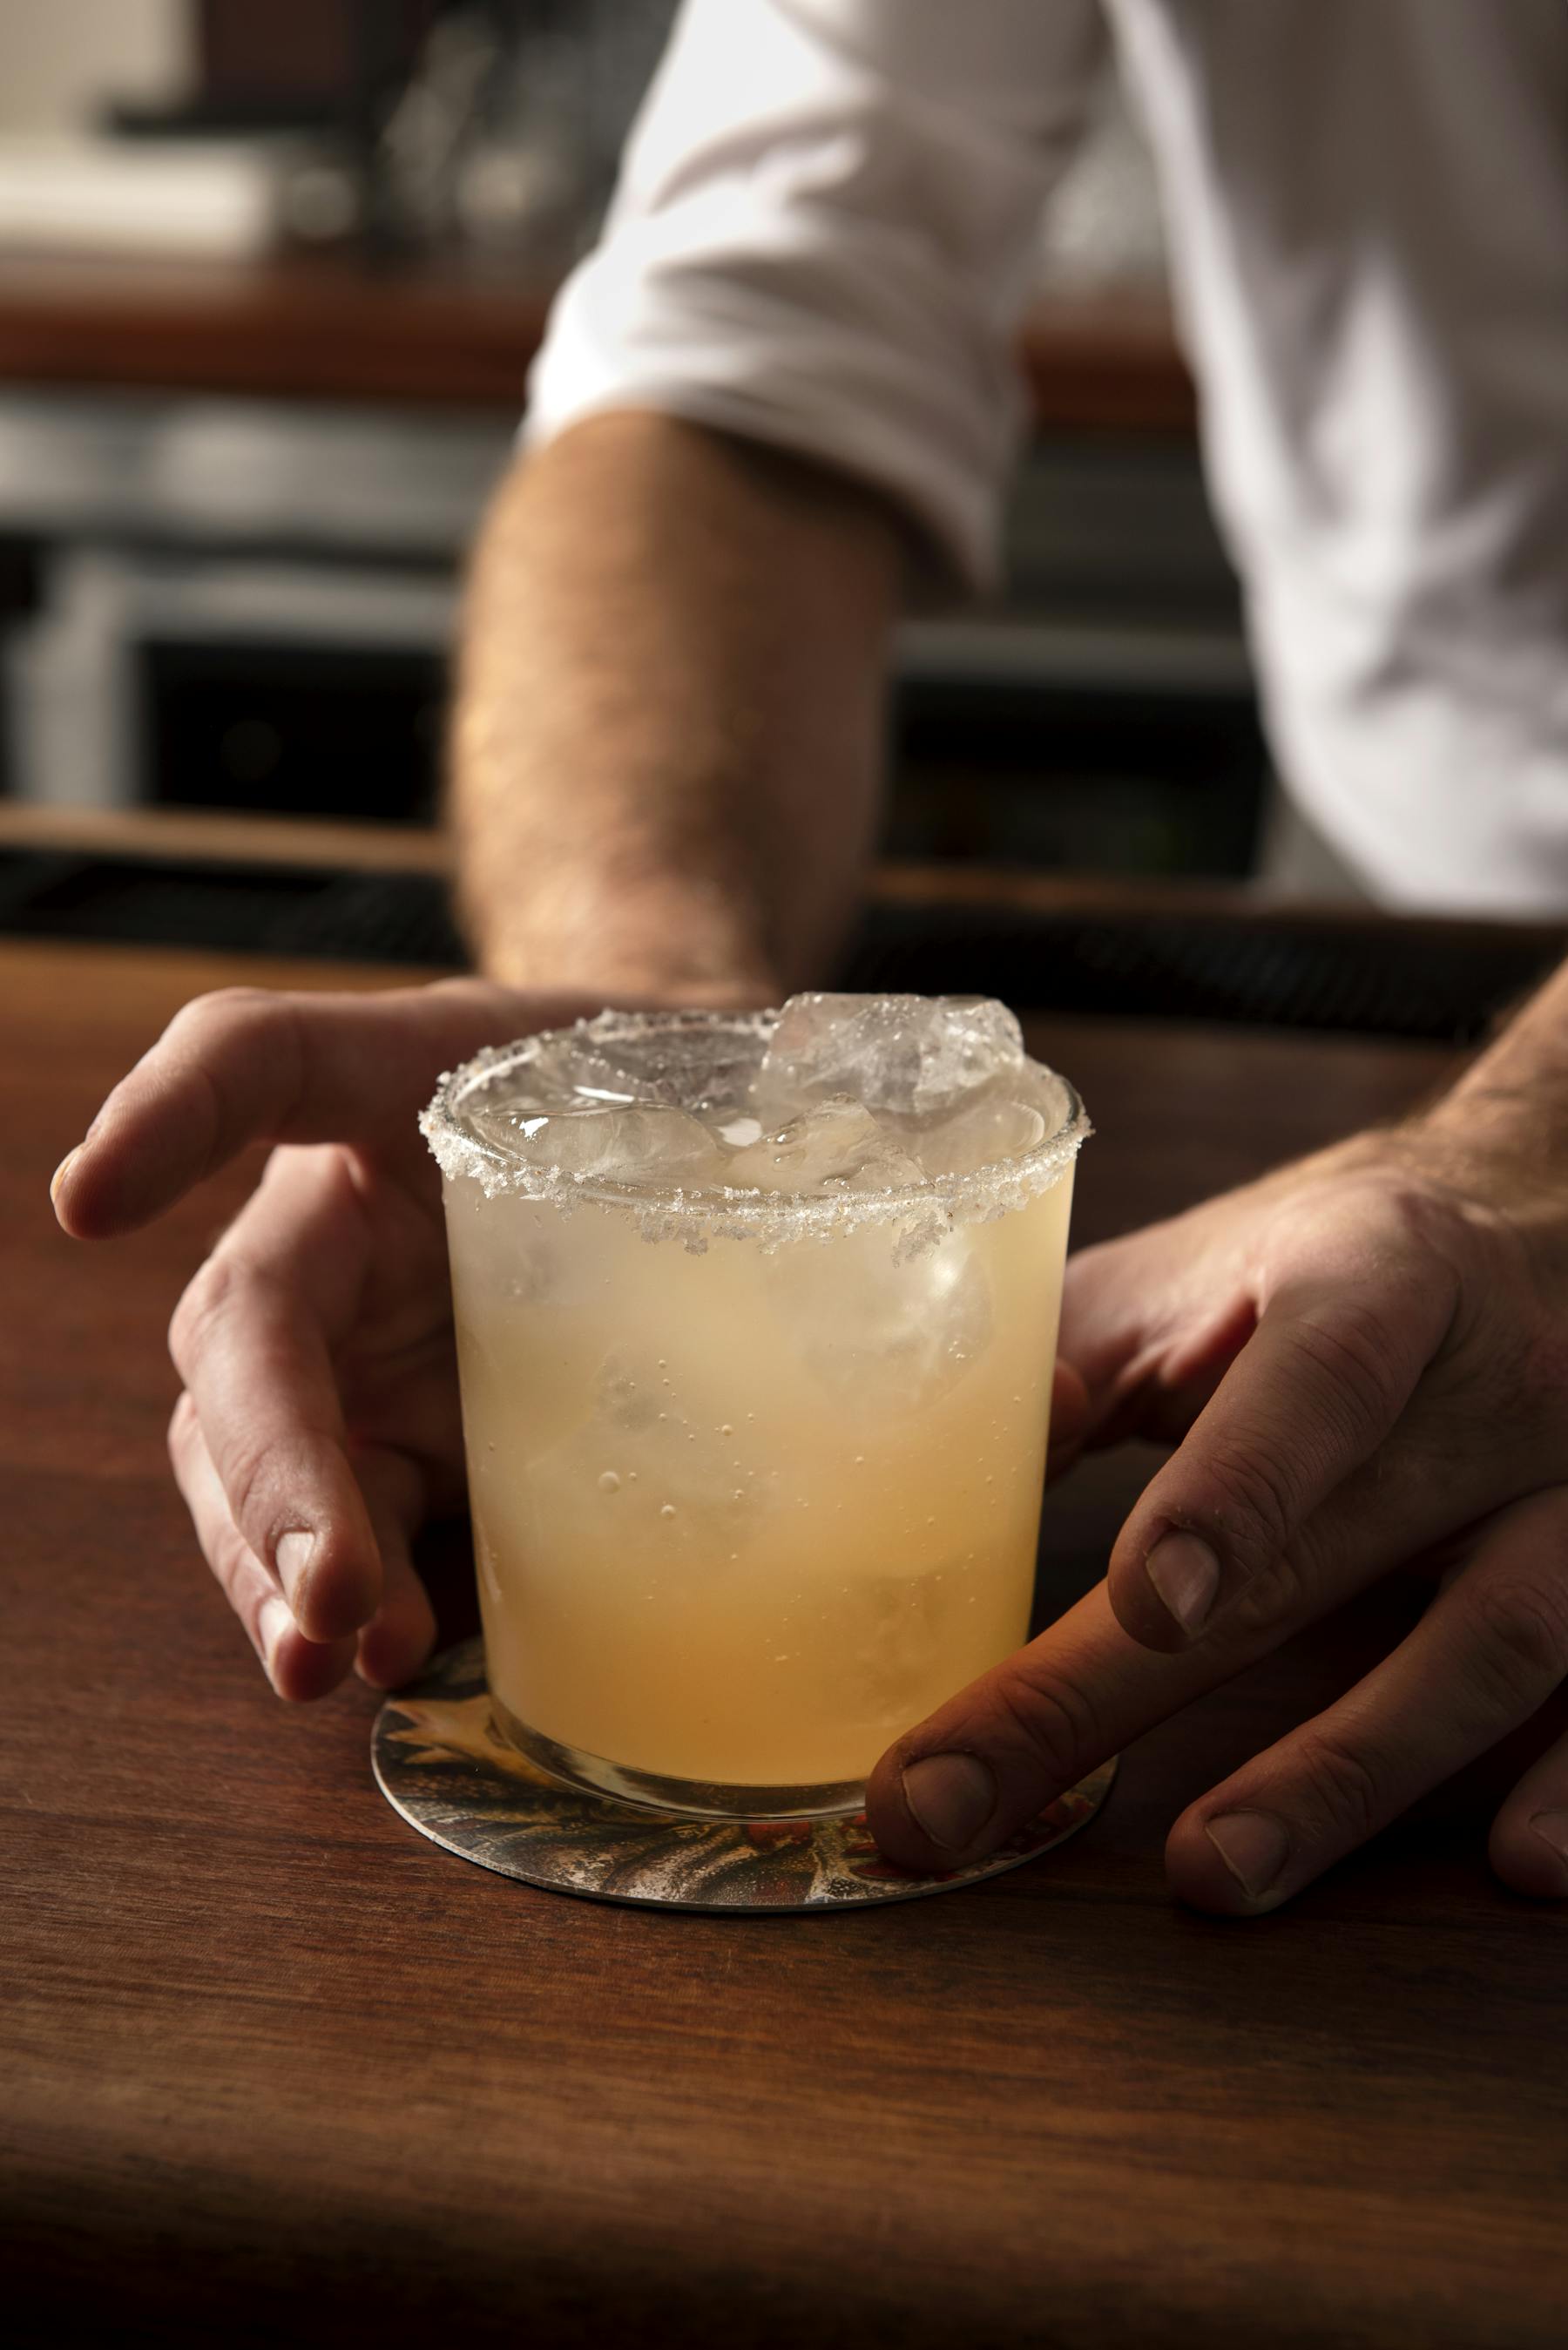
270, 281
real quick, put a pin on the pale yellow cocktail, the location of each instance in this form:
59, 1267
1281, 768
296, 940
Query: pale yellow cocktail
755, 1387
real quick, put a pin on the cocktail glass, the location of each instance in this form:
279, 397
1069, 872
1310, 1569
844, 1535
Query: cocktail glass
755, 1407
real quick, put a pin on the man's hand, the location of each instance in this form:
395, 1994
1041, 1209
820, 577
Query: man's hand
1366, 1359
319, 1422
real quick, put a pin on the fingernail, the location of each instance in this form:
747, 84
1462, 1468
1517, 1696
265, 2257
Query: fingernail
61, 1172
1552, 1827
1253, 1846
273, 1621
951, 1796
291, 1554
1184, 1573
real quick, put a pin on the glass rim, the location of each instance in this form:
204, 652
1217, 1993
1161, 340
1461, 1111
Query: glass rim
989, 1189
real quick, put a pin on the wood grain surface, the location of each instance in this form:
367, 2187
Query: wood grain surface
274, 2068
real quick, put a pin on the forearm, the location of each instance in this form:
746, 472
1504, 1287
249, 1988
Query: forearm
667, 742
1513, 1098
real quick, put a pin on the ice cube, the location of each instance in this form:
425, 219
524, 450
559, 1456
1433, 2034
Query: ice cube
914, 1055
565, 1071
638, 1143
834, 1145
883, 1335
628, 1394
695, 1068
989, 1127
887, 1629
645, 1469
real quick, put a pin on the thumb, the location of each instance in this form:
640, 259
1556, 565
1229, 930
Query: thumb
986, 1762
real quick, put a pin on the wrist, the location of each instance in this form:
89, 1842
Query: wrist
630, 987
635, 952
1484, 1129
1509, 1106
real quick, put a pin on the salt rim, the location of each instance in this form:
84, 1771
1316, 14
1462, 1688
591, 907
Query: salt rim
697, 1215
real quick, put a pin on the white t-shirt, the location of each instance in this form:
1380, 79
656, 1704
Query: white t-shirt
825, 233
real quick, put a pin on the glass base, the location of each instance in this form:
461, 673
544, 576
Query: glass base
696, 1799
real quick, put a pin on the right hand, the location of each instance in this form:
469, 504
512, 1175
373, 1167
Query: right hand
319, 1422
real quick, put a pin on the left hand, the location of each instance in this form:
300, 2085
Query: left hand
1365, 1358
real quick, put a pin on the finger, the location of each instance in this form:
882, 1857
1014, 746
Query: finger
1486, 1654
249, 1065
401, 1633
1037, 1721
977, 1769
1069, 1419
252, 1339
1529, 1843
1152, 1322
1333, 1362
298, 1668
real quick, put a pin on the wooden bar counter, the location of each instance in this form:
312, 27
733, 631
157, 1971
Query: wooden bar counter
276, 2069
330, 328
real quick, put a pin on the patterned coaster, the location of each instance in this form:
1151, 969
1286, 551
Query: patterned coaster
439, 1763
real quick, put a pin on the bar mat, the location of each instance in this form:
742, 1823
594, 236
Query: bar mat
440, 1765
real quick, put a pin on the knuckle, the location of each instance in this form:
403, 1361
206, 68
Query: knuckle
234, 1288
1417, 1224
1275, 1595
182, 1425
207, 1297
1355, 1356
245, 1476
1425, 1219
1254, 1503
222, 1010
1341, 1787
1049, 1716
240, 1053
1524, 1635
1400, 1236
463, 993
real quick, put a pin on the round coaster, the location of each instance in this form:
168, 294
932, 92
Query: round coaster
439, 1763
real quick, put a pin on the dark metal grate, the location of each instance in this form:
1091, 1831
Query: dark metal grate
1370, 977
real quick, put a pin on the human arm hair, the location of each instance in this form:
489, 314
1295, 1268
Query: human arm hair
666, 738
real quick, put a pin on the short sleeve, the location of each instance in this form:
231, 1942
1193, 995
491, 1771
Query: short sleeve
823, 236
